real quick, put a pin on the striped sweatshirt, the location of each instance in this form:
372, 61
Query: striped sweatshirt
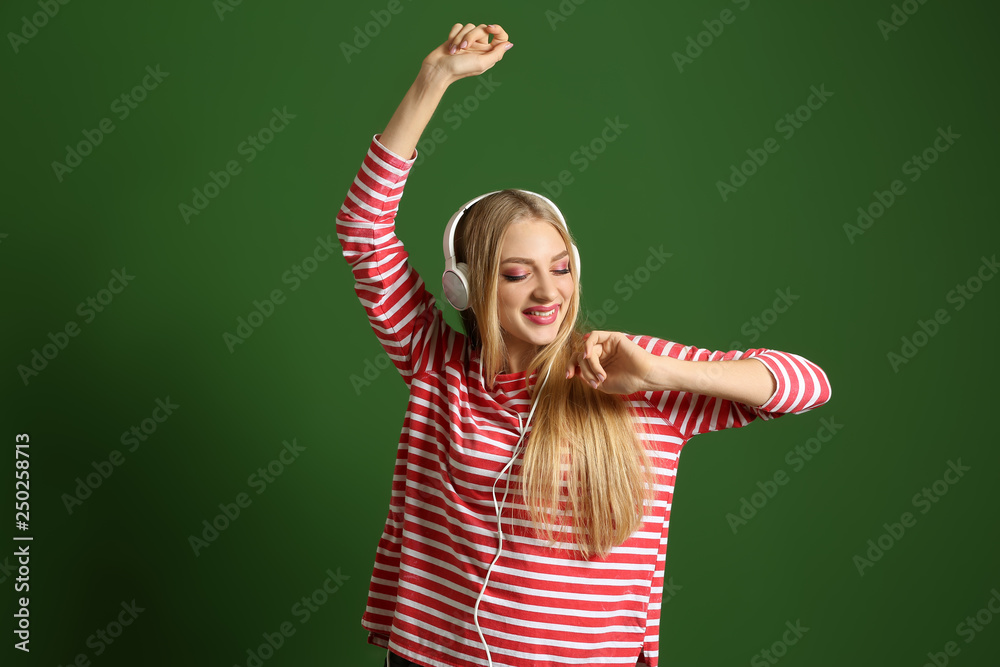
544, 605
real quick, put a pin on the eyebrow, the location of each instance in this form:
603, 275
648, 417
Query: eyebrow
525, 260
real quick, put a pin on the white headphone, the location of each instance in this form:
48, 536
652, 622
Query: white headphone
455, 279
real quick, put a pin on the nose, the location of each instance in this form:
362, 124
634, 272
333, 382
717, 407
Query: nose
545, 290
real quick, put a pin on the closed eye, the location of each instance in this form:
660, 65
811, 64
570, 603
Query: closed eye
514, 279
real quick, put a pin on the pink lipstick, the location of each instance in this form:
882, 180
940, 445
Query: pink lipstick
542, 315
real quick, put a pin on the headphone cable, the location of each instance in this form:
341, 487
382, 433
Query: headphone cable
496, 507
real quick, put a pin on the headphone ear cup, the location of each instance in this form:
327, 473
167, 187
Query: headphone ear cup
456, 286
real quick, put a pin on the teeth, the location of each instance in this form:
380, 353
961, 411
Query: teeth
545, 313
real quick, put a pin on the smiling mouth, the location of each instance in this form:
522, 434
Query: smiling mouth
542, 316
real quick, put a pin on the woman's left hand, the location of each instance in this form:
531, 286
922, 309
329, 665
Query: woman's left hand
612, 363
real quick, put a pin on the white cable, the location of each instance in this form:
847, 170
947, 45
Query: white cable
523, 430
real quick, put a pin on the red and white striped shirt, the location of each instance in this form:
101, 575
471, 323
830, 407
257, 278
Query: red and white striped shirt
543, 605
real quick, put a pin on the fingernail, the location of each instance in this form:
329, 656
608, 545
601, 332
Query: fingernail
593, 384
509, 44
567, 375
452, 49
465, 43
600, 378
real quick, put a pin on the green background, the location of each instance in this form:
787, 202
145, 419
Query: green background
162, 336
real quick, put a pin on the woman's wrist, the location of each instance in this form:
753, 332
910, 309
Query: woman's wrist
432, 77
659, 377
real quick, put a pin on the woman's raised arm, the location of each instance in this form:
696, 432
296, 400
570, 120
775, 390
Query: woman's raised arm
466, 52
400, 309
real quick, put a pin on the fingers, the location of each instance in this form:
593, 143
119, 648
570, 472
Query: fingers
496, 53
499, 34
591, 369
588, 366
460, 40
500, 45
461, 36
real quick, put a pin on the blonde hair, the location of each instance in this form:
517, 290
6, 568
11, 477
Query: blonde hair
586, 433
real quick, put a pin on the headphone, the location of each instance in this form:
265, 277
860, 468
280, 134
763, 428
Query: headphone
455, 279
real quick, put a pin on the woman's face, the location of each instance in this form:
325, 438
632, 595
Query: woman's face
535, 288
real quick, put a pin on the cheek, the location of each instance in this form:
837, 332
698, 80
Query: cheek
506, 299
510, 293
568, 290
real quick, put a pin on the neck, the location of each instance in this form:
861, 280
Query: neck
517, 359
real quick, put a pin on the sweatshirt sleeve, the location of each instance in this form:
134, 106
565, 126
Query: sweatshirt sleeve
402, 313
801, 386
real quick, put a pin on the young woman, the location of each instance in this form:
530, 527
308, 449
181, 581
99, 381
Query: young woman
569, 570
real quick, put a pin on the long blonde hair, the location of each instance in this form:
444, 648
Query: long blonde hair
586, 433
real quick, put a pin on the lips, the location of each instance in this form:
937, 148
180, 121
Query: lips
550, 314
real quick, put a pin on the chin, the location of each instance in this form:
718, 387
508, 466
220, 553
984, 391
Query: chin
544, 337
535, 335
543, 340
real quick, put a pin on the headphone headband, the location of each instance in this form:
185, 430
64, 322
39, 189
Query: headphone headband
455, 279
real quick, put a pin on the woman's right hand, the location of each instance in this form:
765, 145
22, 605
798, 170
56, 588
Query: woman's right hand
478, 54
